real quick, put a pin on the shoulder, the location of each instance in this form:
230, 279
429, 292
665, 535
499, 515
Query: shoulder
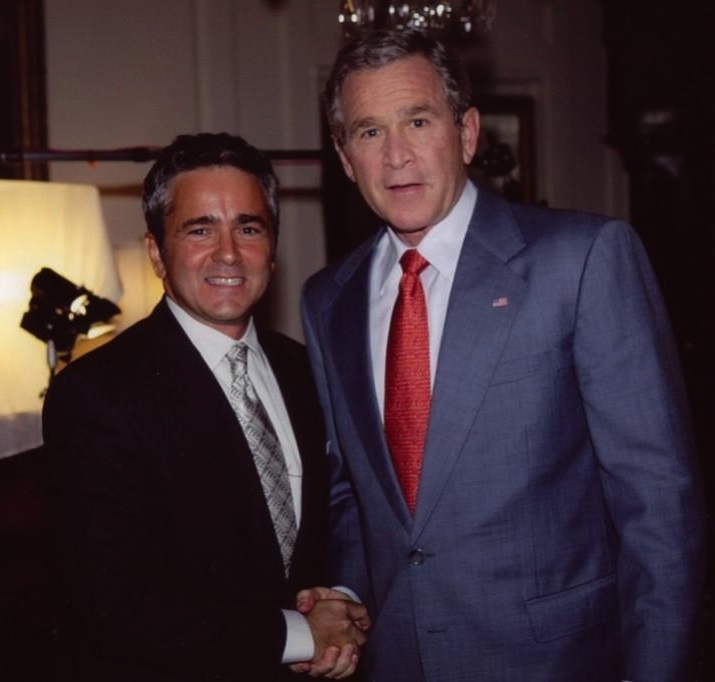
288, 360
559, 234
285, 355
549, 245
274, 342
336, 274
541, 222
124, 361
494, 215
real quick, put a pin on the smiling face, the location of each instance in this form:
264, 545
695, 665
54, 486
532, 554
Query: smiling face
217, 256
402, 145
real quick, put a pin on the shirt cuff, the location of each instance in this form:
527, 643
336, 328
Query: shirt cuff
348, 591
299, 645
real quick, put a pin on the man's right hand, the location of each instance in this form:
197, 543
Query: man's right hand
338, 626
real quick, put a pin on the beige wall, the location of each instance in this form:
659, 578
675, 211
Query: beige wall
138, 72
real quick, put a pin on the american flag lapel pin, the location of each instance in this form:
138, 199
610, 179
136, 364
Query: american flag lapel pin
500, 302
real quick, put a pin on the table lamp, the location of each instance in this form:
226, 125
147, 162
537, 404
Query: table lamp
54, 251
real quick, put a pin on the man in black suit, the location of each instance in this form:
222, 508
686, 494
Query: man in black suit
179, 564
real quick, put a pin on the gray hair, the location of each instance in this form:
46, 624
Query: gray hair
204, 150
374, 49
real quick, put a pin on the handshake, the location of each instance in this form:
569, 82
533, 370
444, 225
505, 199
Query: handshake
338, 625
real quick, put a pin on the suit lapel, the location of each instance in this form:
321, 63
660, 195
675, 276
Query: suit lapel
348, 325
191, 387
484, 301
212, 430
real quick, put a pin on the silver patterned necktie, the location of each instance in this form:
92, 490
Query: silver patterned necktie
266, 450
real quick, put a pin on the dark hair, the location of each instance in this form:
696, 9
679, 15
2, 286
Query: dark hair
204, 150
374, 49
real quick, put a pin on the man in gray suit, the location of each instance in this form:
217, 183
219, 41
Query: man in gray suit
544, 521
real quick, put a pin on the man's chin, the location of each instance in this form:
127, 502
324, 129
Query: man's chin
410, 235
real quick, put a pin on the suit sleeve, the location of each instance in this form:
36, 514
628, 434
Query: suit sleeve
345, 559
133, 602
638, 418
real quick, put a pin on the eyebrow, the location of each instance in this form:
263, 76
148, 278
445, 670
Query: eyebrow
406, 112
420, 109
241, 219
244, 218
361, 123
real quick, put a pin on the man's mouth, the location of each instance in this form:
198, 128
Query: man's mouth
404, 187
226, 281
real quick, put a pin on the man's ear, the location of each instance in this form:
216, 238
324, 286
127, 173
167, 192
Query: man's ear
157, 262
470, 134
344, 160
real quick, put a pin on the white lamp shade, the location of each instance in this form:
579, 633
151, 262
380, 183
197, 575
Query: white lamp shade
42, 224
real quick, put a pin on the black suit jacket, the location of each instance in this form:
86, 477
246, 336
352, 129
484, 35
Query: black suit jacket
164, 532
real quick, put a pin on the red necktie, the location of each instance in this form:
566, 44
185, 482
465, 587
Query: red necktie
407, 377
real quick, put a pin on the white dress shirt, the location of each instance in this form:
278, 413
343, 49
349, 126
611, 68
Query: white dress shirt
213, 346
441, 246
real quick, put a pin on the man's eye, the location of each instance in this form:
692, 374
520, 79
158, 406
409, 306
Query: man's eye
198, 231
419, 122
370, 132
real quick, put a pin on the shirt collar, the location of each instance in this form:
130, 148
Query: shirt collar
211, 344
441, 245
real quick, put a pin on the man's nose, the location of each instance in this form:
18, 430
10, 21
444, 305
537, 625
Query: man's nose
397, 150
227, 250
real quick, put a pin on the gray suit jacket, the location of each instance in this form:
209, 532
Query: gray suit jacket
559, 527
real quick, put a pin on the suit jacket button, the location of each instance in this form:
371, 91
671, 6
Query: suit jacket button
416, 557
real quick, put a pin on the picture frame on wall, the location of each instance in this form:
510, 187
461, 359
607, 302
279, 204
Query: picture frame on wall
506, 159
